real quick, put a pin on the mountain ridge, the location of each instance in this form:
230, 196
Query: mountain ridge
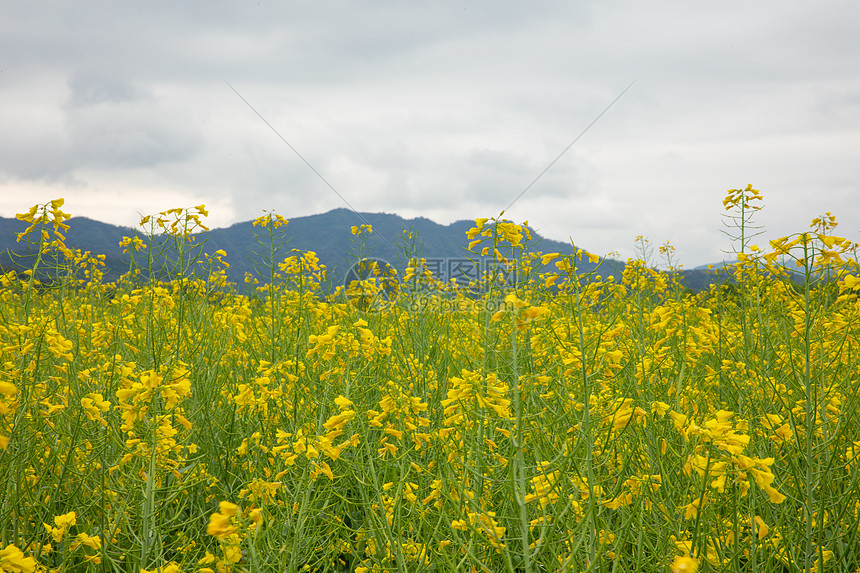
327, 234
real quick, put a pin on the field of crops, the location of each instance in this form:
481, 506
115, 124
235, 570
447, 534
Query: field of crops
556, 422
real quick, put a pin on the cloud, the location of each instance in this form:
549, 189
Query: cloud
120, 136
113, 123
441, 109
106, 122
89, 89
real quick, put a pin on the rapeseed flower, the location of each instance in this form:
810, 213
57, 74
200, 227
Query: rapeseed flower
684, 564
12, 560
62, 525
649, 401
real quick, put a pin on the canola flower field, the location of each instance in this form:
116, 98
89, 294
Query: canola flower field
558, 422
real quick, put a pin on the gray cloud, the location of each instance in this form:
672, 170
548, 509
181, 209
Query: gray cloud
113, 123
442, 109
104, 122
89, 89
124, 134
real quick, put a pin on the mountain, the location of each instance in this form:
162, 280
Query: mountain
328, 235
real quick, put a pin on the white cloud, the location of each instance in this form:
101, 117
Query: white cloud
441, 110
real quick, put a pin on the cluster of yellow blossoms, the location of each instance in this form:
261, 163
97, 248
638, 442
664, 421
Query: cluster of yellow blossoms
551, 419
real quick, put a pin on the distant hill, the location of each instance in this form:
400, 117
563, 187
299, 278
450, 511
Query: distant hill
327, 234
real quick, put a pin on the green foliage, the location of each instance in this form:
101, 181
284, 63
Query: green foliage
563, 420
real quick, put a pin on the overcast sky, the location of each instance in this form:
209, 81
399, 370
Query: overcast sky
446, 110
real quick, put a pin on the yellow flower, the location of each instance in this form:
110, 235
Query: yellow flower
691, 510
514, 301
761, 527
227, 508
233, 553
221, 526
660, 408
338, 421
533, 312
94, 404
92, 541
27, 217
63, 524
849, 282
12, 560
684, 565
548, 258
172, 567
592, 258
